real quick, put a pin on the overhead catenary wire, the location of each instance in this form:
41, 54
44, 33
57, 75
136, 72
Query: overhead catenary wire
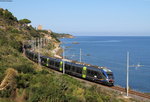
103, 60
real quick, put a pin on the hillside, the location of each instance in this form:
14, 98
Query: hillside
63, 35
25, 81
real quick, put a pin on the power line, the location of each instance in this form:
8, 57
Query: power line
63, 60
127, 83
80, 55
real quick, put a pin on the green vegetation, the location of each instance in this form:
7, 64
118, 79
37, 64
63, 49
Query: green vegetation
7, 15
51, 88
33, 83
52, 34
24, 21
62, 35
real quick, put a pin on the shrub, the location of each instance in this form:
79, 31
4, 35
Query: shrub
24, 21
8, 15
43, 72
25, 68
23, 80
15, 31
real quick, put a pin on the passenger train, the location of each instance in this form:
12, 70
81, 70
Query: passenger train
101, 75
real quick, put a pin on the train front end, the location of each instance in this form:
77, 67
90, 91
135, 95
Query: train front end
109, 77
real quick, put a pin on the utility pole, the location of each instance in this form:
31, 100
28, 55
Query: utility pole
32, 43
23, 47
80, 55
39, 59
127, 84
44, 40
35, 43
41, 43
63, 60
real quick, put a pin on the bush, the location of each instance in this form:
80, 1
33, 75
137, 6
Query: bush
24, 21
15, 31
23, 80
25, 68
8, 15
5, 93
43, 72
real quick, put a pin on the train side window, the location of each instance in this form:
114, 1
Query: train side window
41, 59
54, 63
73, 68
91, 73
79, 70
88, 72
57, 64
95, 73
67, 67
45, 60
99, 76
51, 62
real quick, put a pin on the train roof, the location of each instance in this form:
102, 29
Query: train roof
78, 64
90, 67
56, 59
48, 57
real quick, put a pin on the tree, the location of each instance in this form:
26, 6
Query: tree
24, 21
8, 15
1, 11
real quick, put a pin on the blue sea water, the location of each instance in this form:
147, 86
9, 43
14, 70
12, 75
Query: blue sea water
111, 52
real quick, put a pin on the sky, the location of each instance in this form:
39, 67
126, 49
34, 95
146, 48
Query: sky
86, 17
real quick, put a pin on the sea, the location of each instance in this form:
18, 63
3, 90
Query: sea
111, 52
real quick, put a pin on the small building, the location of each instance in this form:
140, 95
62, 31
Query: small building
39, 27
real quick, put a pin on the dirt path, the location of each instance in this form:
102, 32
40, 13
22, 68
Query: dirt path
8, 79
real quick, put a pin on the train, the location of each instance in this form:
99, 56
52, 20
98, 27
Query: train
100, 75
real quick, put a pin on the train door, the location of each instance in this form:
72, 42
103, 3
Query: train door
67, 67
84, 70
47, 62
61, 66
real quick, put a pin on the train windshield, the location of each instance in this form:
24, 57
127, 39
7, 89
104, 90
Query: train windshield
110, 75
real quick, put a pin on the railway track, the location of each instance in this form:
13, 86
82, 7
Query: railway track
117, 88
131, 92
